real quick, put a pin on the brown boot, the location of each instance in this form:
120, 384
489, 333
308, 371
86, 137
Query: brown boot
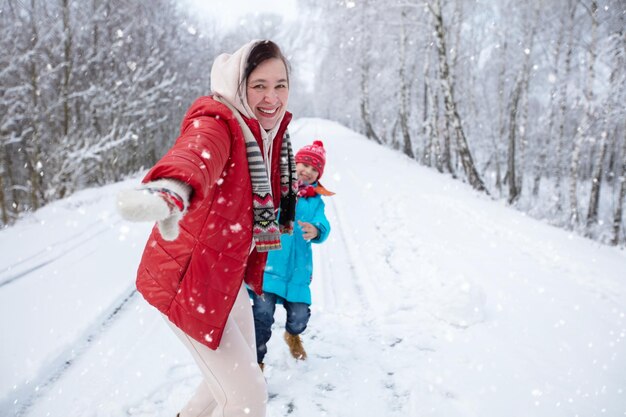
262, 366
295, 346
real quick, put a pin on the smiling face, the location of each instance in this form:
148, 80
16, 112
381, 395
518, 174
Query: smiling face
268, 91
306, 173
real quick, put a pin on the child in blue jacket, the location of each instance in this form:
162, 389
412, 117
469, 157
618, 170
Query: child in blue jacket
288, 272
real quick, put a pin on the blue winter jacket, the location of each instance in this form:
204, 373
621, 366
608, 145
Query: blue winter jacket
289, 271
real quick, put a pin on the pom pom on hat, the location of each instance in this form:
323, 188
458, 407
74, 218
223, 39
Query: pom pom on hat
314, 155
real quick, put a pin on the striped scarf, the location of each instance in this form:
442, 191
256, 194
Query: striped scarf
266, 230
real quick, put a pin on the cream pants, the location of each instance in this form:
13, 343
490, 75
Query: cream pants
233, 383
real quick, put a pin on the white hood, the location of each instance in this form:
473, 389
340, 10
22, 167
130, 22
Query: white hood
226, 76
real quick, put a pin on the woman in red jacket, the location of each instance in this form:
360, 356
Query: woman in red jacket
214, 196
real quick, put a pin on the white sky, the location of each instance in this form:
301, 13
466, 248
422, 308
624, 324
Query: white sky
231, 10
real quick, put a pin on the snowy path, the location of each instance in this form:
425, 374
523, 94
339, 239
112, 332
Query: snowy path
428, 300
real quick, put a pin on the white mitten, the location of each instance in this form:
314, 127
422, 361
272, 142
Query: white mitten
164, 201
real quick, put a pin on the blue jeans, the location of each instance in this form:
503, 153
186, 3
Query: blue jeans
298, 315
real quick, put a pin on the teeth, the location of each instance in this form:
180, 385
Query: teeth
268, 111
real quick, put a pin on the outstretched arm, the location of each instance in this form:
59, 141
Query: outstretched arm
185, 173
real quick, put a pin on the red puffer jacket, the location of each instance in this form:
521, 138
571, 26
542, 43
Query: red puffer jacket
194, 279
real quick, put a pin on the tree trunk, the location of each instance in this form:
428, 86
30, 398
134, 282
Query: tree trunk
573, 176
501, 116
563, 84
544, 145
522, 125
446, 152
452, 115
407, 146
67, 68
365, 111
96, 66
596, 184
514, 191
497, 163
522, 128
61, 183
3, 200
9, 175
426, 127
581, 131
438, 153
619, 207
365, 76
33, 149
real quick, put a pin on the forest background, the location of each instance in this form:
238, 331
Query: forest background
522, 100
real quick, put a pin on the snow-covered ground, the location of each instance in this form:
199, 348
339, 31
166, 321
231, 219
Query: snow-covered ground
429, 299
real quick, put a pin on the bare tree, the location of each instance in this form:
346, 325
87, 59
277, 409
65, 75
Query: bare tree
564, 81
430, 118
452, 114
514, 190
501, 132
545, 143
596, 183
3, 201
91, 93
619, 206
520, 112
87, 97
407, 145
587, 118
365, 76
517, 110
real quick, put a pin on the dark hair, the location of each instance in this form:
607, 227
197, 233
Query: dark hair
260, 52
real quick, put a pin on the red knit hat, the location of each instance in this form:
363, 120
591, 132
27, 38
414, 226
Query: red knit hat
314, 155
